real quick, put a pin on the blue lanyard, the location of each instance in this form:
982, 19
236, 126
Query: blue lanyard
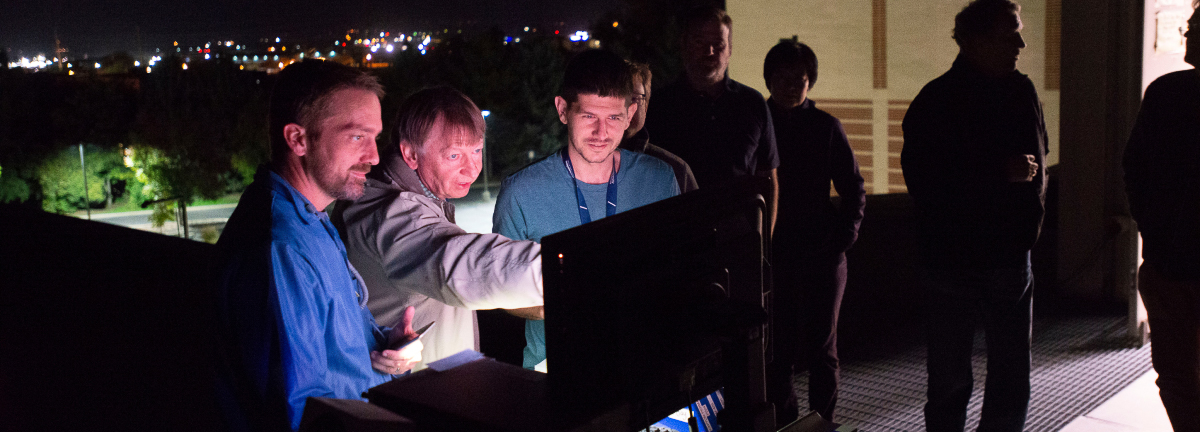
611, 196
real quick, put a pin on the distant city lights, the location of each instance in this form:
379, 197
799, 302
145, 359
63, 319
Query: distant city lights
579, 36
372, 46
615, 24
486, 113
39, 62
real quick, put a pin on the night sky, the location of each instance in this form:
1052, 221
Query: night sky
101, 27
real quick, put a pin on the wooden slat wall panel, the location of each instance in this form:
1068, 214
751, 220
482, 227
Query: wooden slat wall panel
879, 42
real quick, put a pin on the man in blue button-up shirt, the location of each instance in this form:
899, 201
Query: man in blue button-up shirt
294, 322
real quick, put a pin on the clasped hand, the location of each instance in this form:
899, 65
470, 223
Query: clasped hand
401, 360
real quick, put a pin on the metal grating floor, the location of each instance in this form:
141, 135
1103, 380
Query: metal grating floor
1078, 363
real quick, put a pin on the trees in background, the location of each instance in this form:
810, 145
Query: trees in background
201, 132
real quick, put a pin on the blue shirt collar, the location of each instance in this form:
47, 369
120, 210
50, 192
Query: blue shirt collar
305, 210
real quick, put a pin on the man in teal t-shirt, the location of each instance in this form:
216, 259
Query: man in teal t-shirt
589, 178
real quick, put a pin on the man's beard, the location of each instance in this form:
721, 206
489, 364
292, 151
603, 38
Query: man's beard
340, 186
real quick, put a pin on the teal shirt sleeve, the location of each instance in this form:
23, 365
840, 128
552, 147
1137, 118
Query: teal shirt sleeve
507, 219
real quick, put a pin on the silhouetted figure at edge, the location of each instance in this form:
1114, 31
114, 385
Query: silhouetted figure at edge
812, 235
973, 158
1162, 179
721, 127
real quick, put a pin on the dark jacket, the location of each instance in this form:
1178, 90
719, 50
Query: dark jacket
1162, 174
959, 134
640, 142
721, 138
814, 151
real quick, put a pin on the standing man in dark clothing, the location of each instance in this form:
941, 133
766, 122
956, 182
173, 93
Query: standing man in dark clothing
721, 127
813, 234
638, 139
974, 152
1162, 179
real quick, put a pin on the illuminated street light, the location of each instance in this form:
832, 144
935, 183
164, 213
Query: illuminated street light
615, 24
276, 40
147, 69
185, 66
97, 65
206, 57
486, 113
137, 63
389, 48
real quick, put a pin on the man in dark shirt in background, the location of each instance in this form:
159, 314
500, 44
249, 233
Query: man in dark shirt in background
1162, 179
719, 126
813, 235
974, 160
638, 139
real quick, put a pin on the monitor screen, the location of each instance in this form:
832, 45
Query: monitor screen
641, 306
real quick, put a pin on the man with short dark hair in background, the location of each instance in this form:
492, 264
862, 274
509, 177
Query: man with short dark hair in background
293, 318
1162, 179
974, 161
638, 139
590, 178
720, 127
402, 237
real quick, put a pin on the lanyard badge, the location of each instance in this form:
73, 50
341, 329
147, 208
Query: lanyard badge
611, 196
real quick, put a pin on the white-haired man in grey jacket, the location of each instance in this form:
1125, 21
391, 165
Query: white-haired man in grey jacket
402, 237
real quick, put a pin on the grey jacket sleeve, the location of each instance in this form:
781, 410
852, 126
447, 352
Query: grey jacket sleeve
422, 251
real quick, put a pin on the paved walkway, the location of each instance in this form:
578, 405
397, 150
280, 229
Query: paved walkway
1137, 408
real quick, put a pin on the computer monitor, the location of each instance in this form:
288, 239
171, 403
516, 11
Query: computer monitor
658, 306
